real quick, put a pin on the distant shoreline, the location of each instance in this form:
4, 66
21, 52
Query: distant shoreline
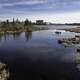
77, 29
60, 24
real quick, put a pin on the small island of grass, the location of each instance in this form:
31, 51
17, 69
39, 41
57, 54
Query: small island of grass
16, 26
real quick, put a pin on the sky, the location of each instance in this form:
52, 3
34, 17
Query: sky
55, 11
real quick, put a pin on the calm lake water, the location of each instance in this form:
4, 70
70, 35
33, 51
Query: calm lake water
57, 26
38, 56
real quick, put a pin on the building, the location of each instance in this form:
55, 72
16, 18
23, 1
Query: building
40, 22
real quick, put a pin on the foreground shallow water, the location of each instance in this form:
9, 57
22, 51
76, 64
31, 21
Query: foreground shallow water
38, 56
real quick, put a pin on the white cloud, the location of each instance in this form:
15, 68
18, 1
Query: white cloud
22, 3
70, 17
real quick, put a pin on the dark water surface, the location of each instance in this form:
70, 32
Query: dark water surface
38, 56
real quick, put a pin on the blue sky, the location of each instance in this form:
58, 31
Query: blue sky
57, 11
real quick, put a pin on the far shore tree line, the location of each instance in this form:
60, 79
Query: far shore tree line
15, 25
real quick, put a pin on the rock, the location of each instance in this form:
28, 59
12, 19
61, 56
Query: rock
58, 32
60, 41
78, 67
78, 50
66, 45
4, 72
77, 36
69, 42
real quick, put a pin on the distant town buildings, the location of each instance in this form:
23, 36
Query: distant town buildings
40, 22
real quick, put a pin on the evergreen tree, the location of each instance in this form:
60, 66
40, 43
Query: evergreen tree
28, 25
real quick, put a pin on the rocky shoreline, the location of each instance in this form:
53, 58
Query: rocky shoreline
77, 29
67, 42
4, 72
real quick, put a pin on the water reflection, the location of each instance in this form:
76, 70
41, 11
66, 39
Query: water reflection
73, 42
78, 58
40, 59
4, 37
28, 35
1, 37
77, 62
16, 35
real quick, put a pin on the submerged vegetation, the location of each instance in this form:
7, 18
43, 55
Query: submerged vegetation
17, 26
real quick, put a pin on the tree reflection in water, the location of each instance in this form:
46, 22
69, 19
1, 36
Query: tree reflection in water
28, 35
5, 36
16, 35
1, 37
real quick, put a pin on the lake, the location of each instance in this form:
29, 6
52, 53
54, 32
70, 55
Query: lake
58, 26
38, 56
